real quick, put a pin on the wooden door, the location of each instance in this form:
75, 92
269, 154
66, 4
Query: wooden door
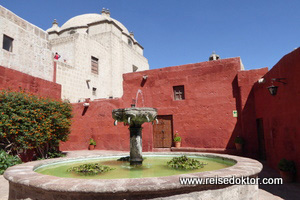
162, 132
261, 139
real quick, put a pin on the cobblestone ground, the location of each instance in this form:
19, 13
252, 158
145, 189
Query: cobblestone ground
3, 188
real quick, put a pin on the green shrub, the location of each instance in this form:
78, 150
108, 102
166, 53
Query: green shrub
53, 153
184, 162
239, 140
92, 142
7, 161
90, 169
177, 138
287, 165
31, 122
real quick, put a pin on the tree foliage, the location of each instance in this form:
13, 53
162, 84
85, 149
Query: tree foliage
31, 122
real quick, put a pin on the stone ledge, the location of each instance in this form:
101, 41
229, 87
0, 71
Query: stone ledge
23, 176
205, 150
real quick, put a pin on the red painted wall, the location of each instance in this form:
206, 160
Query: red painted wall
204, 119
280, 113
246, 109
14, 80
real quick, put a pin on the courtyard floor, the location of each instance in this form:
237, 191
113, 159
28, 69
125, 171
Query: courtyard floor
287, 191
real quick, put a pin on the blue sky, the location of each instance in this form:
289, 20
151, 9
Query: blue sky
177, 32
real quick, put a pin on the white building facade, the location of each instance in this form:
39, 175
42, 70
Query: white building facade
25, 47
96, 50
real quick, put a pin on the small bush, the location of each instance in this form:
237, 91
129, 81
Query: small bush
92, 142
239, 140
90, 169
287, 165
53, 153
177, 138
7, 161
184, 162
31, 122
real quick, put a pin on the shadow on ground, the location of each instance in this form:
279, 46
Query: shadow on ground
287, 191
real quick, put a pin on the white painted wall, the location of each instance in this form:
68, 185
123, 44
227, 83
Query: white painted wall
31, 53
105, 41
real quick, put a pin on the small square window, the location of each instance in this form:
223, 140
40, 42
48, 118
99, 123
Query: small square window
7, 43
94, 64
178, 92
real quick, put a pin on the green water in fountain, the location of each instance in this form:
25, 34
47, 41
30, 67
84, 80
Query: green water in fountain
153, 166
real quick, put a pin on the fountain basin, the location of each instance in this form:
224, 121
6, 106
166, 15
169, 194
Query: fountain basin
25, 183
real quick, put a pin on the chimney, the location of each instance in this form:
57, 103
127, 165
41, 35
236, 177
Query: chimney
131, 34
105, 12
214, 56
55, 26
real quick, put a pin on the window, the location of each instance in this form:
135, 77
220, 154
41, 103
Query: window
94, 65
7, 43
178, 92
134, 68
72, 31
94, 91
130, 42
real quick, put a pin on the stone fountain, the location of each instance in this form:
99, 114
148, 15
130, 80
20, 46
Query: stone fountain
135, 117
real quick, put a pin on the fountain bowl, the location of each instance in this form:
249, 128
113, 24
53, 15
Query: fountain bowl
134, 115
25, 183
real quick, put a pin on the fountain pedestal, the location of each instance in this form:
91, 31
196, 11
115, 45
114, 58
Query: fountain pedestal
135, 117
136, 146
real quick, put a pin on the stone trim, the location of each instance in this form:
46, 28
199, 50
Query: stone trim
39, 186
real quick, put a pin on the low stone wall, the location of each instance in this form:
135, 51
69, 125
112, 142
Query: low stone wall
27, 184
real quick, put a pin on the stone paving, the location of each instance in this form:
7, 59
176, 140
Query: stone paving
288, 191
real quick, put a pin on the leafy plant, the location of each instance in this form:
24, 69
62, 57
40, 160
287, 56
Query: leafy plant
177, 138
287, 165
90, 169
53, 153
184, 162
7, 161
92, 142
31, 122
127, 158
239, 140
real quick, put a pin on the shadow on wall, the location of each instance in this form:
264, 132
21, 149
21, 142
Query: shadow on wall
237, 131
280, 113
246, 128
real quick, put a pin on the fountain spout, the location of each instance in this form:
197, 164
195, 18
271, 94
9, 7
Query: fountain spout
133, 103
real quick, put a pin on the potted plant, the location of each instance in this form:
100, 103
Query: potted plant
238, 141
177, 140
287, 170
92, 144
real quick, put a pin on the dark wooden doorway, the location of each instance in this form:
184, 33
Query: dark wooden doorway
261, 139
163, 132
